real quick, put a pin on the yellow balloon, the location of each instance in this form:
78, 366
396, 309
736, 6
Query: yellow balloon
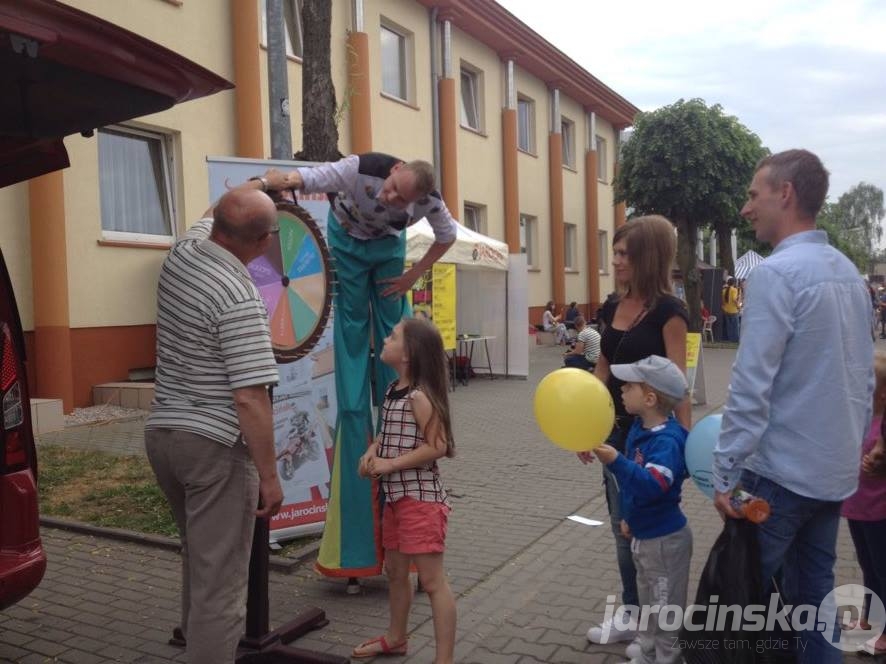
574, 409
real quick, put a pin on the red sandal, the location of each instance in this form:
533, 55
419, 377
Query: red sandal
378, 647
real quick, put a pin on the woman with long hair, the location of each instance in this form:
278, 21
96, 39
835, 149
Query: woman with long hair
642, 318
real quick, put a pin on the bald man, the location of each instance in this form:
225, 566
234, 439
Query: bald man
210, 435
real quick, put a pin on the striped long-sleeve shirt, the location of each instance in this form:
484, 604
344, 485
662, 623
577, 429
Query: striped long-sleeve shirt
212, 338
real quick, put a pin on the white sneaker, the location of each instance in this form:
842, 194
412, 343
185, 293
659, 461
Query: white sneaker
634, 651
620, 627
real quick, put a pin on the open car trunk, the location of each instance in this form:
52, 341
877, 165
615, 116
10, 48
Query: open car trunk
63, 71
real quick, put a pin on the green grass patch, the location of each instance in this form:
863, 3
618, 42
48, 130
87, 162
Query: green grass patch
102, 489
111, 491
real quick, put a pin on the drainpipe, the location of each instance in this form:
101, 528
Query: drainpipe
435, 99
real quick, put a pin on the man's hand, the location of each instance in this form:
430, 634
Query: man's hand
271, 497
399, 286
723, 503
363, 466
606, 453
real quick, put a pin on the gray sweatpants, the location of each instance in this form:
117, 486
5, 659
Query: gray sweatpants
662, 580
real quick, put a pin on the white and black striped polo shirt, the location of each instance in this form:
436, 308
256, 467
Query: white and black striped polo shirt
212, 338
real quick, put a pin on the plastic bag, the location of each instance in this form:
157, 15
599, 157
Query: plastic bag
731, 576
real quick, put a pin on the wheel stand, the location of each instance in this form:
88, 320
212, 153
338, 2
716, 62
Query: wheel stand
260, 645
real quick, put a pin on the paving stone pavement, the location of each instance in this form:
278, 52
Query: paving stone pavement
528, 581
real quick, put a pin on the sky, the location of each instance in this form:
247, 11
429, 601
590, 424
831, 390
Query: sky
800, 74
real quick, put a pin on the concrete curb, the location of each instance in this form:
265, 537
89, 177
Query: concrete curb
285, 565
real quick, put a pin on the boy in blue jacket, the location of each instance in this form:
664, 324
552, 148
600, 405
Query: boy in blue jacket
650, 475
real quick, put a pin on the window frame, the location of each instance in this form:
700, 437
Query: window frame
404, 55
570, 247
567, 138
529, 238
529, 104
170, 175
603, 251
602, 163
294, 8
478, 215
475, 78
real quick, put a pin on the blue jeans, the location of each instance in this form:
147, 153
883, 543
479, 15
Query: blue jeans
626, 568
730, 327
799, 539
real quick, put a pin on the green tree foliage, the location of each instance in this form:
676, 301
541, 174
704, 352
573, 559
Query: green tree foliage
691, 163
854, 223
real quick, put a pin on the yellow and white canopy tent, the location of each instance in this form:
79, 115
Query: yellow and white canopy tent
491, 294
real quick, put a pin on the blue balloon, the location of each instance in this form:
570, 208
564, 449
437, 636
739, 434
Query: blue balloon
700, 452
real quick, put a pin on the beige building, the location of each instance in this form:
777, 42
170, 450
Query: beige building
524, 139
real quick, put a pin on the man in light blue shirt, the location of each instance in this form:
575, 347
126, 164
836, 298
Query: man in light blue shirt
800, 395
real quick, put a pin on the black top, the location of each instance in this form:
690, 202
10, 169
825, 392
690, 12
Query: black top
641, 341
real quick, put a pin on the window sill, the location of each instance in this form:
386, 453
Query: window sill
528, 153
397, 100
570, 168
602, 181
292, 58
478, 132
163, 246
529, 268
603, 273
177, 3
571, 270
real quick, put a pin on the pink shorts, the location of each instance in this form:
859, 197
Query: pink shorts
413, 526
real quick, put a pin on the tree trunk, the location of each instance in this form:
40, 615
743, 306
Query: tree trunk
687, 240
724, 246
319, 131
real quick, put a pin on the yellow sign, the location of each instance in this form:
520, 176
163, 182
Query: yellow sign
433, 296
443, 304
693, 344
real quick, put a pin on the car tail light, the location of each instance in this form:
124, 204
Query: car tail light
15, 454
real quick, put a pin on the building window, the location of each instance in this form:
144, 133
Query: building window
602, 173
475, 217
529, 238
526, 124
292, 24
567, 131
570, 238
471, 98
603, 251
135, 185
394, 62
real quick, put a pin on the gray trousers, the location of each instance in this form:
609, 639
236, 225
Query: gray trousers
213, 492
662, 579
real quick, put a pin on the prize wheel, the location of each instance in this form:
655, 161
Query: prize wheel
294, 278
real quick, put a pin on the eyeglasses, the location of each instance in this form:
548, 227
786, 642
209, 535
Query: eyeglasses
274, 230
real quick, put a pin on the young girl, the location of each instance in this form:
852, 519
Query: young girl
415, 432
866, 512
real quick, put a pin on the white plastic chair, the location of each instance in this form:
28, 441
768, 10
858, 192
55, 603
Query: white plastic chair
707, 328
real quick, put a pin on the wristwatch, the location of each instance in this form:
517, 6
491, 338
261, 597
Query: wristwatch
264, 182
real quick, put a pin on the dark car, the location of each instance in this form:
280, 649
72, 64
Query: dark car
62, 71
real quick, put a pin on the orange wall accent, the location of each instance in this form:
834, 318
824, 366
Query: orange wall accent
49, 257
558, 258
592, 228
449, 146
510, 179
49, 274
360, 115
619, 207
52, 369
247, 77
106, 354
